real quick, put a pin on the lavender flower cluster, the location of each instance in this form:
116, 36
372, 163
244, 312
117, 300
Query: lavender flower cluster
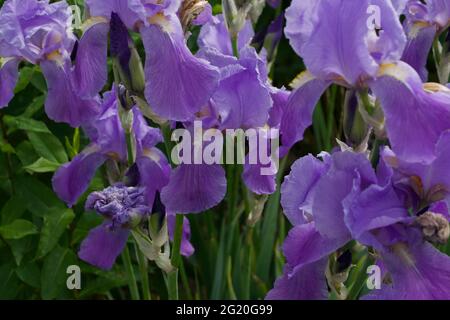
387, 187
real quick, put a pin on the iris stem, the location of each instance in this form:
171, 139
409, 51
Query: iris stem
130, 274
360, 280
143, 265
172, 277
235, 46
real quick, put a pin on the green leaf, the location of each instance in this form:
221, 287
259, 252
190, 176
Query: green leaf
26, 124
19, 248
48, 146
9, 283
26, 153
25, 76
34, 106
53, 275
12, 210
42, 165
38, 197
30, 274
38, 81
55, 222
18, 229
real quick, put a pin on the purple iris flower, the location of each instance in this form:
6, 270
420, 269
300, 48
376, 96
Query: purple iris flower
312, 196
419, 192
177, 83
424, 21
108, 142
337, 45
123, 208
391, 209
41, 33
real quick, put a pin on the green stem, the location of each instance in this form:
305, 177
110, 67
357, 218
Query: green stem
129, 139
360, 280
130, 274
172, 277
143, 265
235, 46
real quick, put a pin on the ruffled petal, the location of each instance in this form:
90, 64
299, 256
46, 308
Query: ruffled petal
102, 246
373, 208
8, 78
415, 117
298, 188
73, 178
335, 187
178, 84
194, 188
335, 42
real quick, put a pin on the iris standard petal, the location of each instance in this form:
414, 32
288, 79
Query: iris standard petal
335, 41
214, 34
420, 40
90, 72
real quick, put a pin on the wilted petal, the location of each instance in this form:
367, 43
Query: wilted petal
194, 188
102, 246
178, 84
63, 103
307, 283
298, 188
73, 178
90, 72
298, 113
415, 117
8, 78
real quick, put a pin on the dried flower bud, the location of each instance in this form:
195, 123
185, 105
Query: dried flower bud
435, 227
